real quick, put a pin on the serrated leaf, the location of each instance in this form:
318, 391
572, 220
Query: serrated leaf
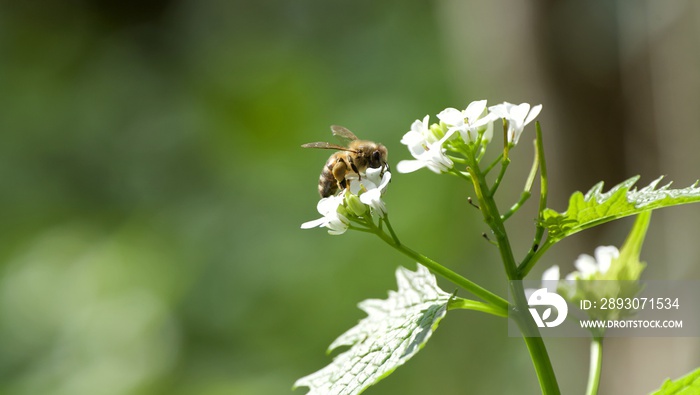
686, 385
596, 207
394, 330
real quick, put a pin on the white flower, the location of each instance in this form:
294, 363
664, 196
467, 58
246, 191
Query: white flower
425, 148
516, 116
371, 188
551, 274
335, 222
469, 121
550, 280
589, 266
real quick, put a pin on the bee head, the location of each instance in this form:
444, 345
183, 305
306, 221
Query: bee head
378, 157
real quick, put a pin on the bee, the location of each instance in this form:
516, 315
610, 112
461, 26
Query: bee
354, 156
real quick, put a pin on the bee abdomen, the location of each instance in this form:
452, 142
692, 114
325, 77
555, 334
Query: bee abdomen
327, 185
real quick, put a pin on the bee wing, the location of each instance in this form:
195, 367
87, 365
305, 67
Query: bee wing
343, 134
324, 145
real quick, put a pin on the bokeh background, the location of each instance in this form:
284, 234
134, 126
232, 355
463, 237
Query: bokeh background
154, 184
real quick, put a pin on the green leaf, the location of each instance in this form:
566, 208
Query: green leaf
596, 207
394, 331
687, 385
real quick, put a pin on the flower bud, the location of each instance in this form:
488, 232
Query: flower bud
437, 131
354, 205
344, 211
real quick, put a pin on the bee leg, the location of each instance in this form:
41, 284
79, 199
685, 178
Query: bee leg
354, 168
385, 168
339, 170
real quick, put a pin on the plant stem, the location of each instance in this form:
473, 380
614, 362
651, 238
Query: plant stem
493, 164
437, 268
527, 326
539, 150
596, 365
504, 166
467, 304
538, 353
460, 174
532, 257
523, 198
536, 250
391, 230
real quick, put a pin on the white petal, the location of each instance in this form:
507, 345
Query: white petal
374, 174
314, 223
425, 124
482, 121
533, 113
488, 133
604, 255
338, 231
451, 116
551, 274
518, 113
329, 205
337, 224
373, 199
550, 278
385, 181
439, 143
412, 138
369, 196
586, 265
464, 131
368, 183
409, 166
354, 186
436, 160
474, 110
501, 110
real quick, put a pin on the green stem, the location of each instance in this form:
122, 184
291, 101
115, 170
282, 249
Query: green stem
536, 250
457, 159
467, 304
531, 335
504, 166
493, 164
482, 150
460, 174
526, 190
437, 268
596, 365
538, 354
523, 198
391, 230
539, 149
361, 229
532, 257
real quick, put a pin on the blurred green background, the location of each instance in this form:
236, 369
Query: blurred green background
154, 184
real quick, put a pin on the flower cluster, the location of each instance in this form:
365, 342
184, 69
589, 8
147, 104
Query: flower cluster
432, 146
607, 274
589, 268
363, 195
459, 134
471, 123
517, 116
425, 144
